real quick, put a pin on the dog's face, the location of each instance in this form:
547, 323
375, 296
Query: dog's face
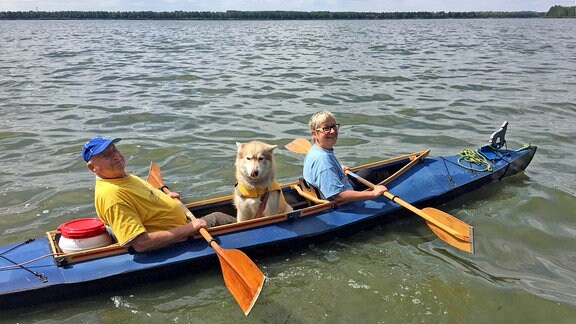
255, 160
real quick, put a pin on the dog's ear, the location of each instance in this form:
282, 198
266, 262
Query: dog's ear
239, 145
271, 148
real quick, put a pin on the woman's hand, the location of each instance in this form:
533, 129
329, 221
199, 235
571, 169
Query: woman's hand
379, 190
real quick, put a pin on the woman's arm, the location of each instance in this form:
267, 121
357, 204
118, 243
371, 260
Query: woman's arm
352, 195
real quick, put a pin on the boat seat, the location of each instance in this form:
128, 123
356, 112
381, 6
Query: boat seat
308, 191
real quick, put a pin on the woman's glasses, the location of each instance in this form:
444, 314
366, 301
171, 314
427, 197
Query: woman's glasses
327, 129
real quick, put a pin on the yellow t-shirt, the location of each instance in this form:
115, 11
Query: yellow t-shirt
131, 206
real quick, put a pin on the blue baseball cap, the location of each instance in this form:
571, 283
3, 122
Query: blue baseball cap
96, 146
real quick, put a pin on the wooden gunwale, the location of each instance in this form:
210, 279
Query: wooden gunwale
413, 157
63, 258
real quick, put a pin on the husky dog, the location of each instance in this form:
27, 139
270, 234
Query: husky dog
257, 192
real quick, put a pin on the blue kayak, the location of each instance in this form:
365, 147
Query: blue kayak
38, 271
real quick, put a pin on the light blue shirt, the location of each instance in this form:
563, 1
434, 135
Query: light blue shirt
322, 170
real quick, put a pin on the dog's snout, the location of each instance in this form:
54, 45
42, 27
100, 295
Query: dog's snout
254, 173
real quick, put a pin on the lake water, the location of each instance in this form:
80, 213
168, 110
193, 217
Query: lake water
181, 93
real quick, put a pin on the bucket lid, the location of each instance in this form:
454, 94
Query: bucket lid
82, 228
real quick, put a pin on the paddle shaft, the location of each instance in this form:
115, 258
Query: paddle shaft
408, 206
241, 275
447, 227
157, 177
202, 230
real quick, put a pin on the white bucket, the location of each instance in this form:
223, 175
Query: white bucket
83, 234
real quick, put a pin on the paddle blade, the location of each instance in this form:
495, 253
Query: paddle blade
155, 176
299, 145
242, 277
464, 240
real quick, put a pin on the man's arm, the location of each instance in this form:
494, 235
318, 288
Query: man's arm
152, 241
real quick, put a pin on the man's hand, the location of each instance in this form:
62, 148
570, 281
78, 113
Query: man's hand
173, 195
198, 223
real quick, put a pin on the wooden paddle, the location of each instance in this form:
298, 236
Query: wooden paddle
447, 227
242, 277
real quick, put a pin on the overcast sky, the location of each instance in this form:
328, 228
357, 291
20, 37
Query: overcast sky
291, 5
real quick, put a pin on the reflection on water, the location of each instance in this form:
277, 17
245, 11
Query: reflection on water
181, 93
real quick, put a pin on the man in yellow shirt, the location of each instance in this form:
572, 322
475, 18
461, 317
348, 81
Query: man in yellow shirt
140, 216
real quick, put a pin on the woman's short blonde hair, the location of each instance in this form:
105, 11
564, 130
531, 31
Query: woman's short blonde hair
320, 117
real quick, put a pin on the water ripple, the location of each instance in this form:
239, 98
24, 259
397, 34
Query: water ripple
181, 93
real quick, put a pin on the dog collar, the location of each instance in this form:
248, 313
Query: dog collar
256, 192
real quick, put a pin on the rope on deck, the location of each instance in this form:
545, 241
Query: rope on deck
474, 158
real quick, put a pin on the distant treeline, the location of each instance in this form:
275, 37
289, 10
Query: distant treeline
258, 15
556, 11
560, 11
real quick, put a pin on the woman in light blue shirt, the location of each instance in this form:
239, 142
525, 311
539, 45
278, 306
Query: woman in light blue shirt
321, 167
